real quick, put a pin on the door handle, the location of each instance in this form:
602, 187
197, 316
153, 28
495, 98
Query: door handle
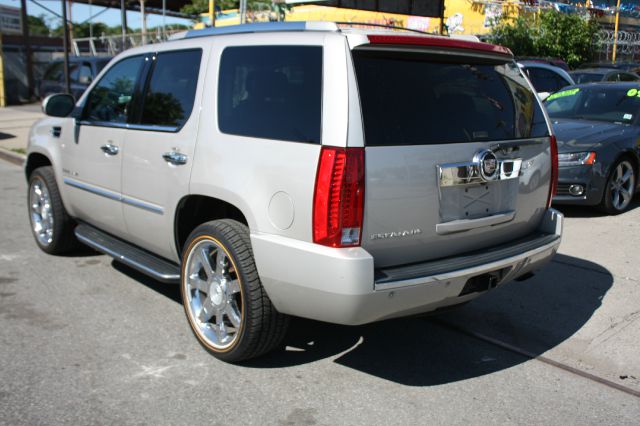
109, 149
175, 158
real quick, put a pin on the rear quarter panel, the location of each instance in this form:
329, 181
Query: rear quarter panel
270, 181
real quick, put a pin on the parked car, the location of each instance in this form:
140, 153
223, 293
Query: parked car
556, 62
598, 129
302, 169
546, 79
82, 71
592, 75
625, 66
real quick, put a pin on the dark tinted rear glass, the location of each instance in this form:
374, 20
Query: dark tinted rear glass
545, 80
271, 92
418, 99
168, 100
583, 77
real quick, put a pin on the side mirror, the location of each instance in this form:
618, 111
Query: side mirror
59, 105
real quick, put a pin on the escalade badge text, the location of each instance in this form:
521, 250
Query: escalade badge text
398, 234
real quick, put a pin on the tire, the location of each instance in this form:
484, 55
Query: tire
620, 187
51, 226
226, 306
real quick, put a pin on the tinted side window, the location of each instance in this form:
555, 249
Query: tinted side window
545, 80
73, 72
110, 99
628, 77
168, 100
54, 73
271, 92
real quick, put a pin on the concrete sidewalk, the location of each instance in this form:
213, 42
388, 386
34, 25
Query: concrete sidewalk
15, 122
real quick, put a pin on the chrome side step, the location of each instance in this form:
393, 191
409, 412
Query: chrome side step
130, 255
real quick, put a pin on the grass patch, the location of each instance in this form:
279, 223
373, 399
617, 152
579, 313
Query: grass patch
19, 150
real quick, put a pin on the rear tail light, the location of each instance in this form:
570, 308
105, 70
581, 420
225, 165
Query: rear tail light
553, 185
338, 201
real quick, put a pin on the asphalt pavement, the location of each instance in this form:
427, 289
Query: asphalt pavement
85, 340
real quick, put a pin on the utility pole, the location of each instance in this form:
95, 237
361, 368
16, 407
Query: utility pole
65, 46
144, 22
123, 21
615, 36
164, 10
243, 11
27, 47
441, 29
212, 13
3, 101
71, 18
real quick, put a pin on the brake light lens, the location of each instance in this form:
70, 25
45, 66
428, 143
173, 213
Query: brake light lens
553, 185
338, 201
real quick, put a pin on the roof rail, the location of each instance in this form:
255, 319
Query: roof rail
260, 27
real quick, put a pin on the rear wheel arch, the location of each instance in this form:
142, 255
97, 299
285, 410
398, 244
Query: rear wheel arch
194, 210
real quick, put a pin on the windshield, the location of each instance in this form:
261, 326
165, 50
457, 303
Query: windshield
599, 103
412, 98
583, 77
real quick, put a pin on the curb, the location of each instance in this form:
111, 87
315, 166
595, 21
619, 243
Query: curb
12, 157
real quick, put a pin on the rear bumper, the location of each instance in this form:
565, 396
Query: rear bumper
341, 285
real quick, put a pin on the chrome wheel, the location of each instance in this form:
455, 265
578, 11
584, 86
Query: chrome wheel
41, 212
214, 295
622, 185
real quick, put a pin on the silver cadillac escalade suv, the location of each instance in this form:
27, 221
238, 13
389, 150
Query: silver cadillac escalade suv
302, 169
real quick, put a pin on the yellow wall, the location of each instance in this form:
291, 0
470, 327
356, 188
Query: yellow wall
464, 16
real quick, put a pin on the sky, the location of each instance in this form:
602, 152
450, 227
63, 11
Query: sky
81, 12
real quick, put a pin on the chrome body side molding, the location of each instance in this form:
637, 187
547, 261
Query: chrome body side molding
114, 196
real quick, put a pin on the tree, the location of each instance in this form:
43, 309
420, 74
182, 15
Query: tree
196, 7
38, 25
550, 34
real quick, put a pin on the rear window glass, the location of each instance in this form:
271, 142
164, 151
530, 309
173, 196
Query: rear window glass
418, 99
546, 81
582, 77
271, 92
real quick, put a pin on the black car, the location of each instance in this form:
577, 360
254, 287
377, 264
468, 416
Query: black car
624, 66
82, 71
592, 75
597, 127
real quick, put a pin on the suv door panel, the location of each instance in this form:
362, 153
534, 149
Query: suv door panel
92, 162
153, 184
